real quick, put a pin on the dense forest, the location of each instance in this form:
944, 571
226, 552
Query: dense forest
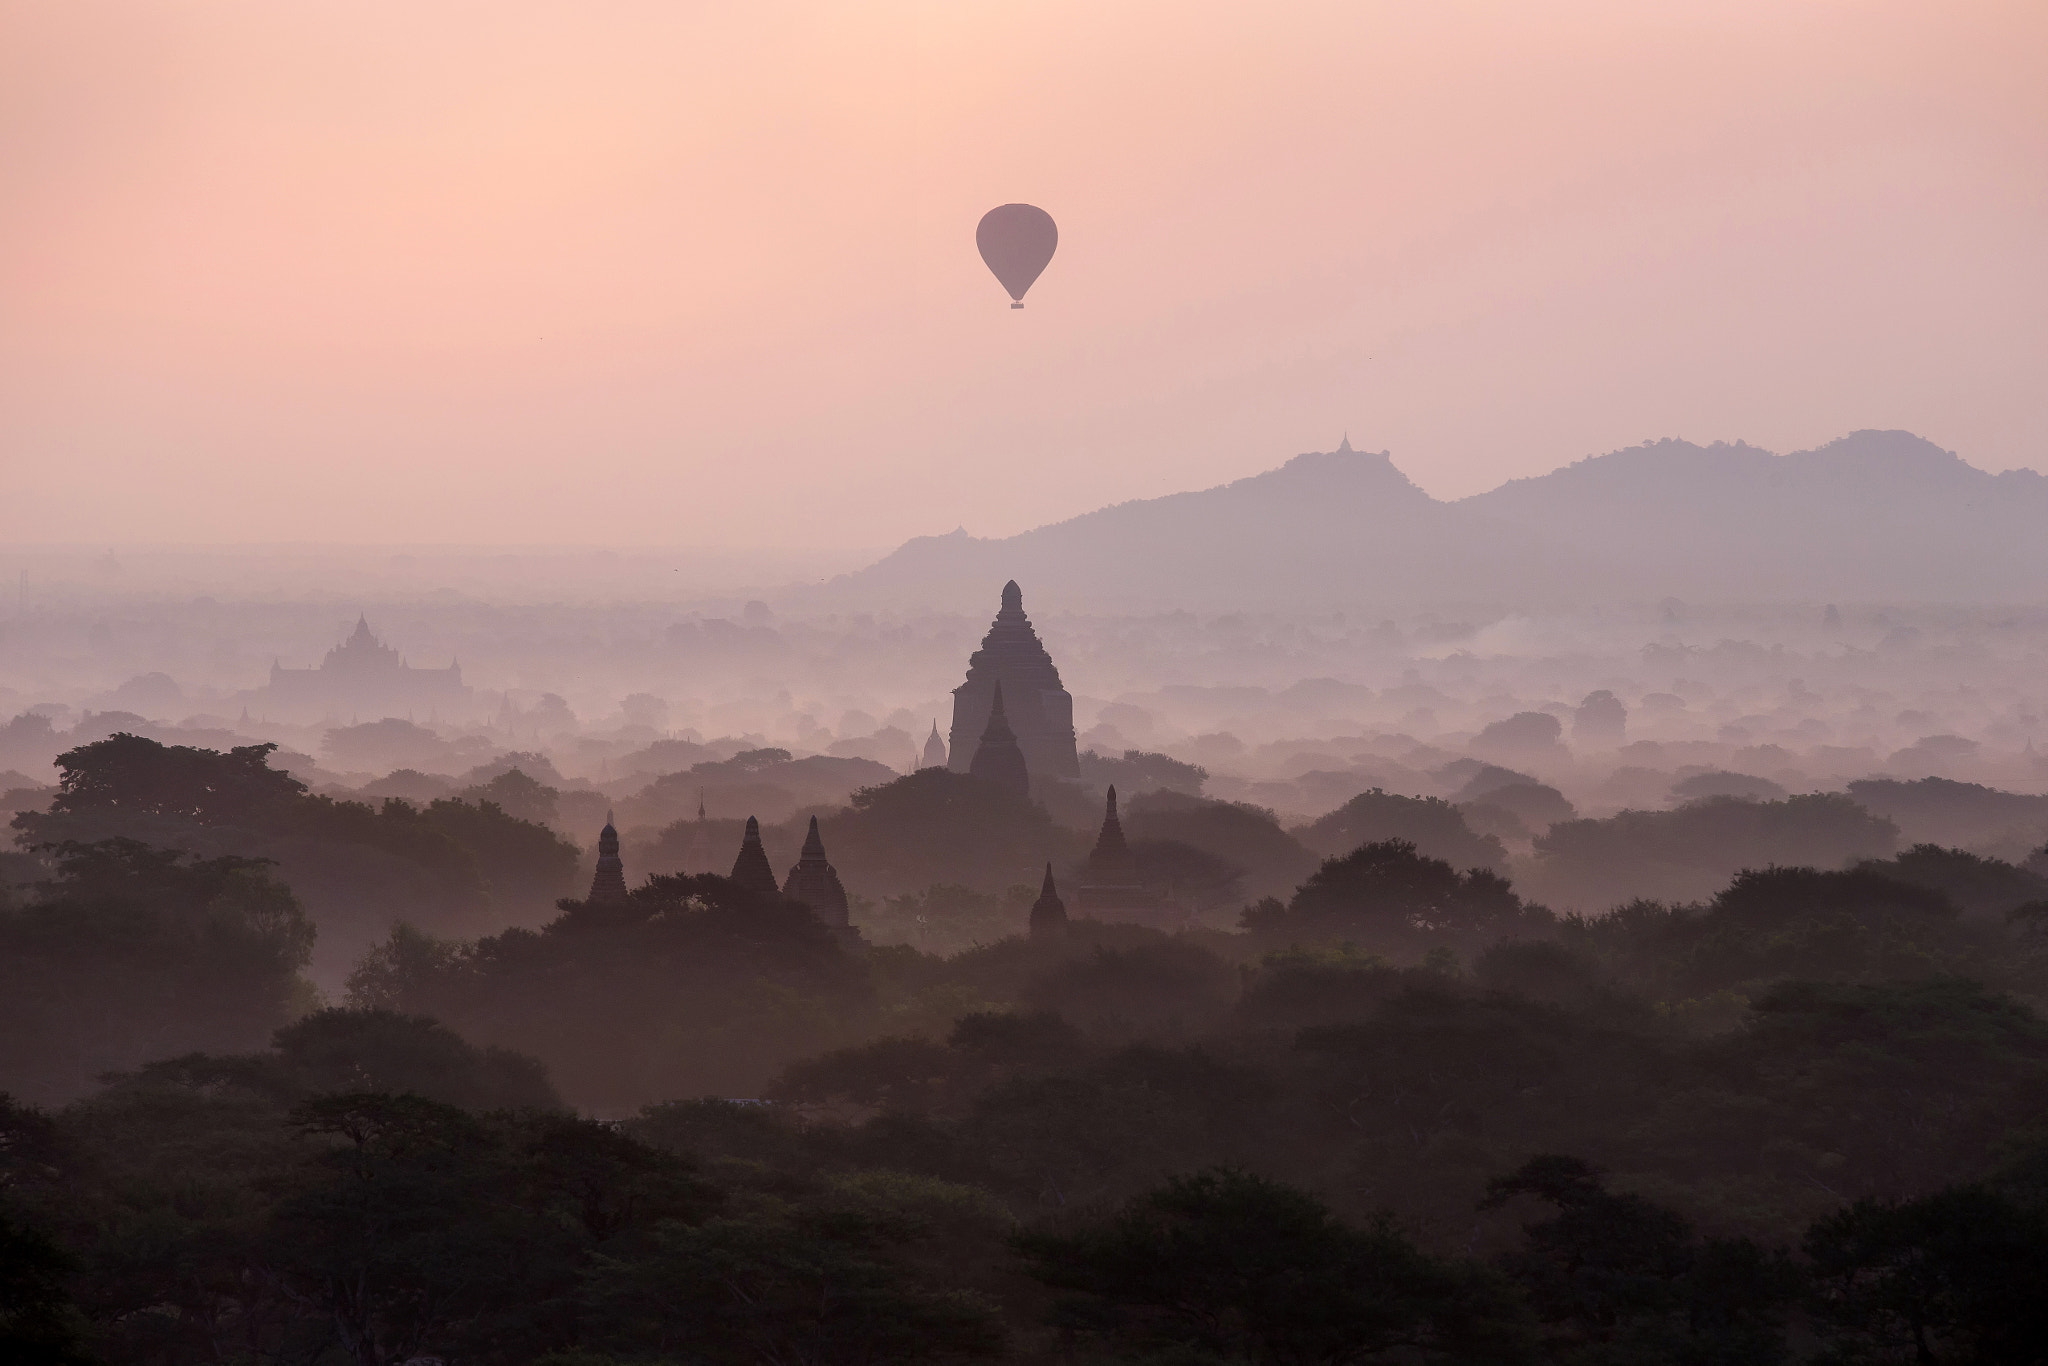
1374, 1102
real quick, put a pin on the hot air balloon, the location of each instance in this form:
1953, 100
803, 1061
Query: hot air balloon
1016, 240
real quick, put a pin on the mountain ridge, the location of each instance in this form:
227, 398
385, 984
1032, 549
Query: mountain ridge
1873, 514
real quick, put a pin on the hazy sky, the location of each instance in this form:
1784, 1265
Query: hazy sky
645, 273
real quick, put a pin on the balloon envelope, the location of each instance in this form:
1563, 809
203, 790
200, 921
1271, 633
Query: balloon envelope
1016, 240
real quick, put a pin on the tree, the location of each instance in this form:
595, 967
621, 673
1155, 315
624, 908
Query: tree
39, 1326
404, 1225
1435, 827
1952, 1277
132, 950
1389, 888
804, 1286
1618, 1278
1687, 853
739, 984
1224, 1265
128, 772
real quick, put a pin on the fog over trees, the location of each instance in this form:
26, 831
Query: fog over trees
1493, 973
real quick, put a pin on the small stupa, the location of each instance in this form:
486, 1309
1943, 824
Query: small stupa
1048, 913
934, 750
1110, 878
751, 868
815, 882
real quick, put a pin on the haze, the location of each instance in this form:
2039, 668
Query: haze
619, 275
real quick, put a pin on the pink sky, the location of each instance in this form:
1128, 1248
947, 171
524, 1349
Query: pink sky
659, 273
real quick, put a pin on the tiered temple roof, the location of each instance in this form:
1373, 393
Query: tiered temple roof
1041, 711
610, 883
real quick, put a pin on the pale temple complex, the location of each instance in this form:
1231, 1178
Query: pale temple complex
364, 674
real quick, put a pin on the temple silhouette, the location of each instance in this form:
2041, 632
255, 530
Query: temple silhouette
1048, 913
609, 885
1038, 710
751, 868
1111, 888
363, 675
998, 757
815, 882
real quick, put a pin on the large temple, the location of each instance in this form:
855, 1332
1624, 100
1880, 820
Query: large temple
1039, 710
364, 675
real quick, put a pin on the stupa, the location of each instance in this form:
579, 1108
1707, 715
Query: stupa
610, 883
998, 758
934, 750
751, 868
1110, 887
815, 882
1048, 913
1041, 711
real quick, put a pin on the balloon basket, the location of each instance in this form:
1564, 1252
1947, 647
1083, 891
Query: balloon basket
1016, 305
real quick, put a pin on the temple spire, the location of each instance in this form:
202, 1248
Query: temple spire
997, 759
751, 868
1109, 880
815, 882
609, 885
934, 749
1048, 913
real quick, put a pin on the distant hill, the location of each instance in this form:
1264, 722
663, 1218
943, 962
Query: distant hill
1875, 515
1883, 515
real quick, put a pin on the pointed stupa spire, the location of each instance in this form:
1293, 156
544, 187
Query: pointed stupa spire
751, 868
815, 882
610, 883
934, 749
1344, 446
1048, 913
997, 759
1013, 597
1110, 863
